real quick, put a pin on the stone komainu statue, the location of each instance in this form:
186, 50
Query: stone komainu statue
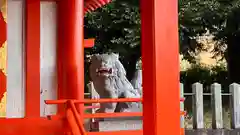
110, 81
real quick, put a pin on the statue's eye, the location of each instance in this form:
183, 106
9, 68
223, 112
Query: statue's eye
106, 61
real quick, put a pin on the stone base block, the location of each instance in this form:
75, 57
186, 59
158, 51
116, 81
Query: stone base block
120, 124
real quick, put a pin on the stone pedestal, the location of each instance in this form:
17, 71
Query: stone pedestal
118, 124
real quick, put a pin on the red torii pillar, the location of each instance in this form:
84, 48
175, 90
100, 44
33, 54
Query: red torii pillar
160, 63
70, 49
32, 49
70, 52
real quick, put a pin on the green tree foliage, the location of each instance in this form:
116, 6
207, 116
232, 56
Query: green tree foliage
190, 27
116, 28
221, 18
204, 75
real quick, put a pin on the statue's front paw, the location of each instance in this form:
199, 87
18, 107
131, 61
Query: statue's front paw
125, 110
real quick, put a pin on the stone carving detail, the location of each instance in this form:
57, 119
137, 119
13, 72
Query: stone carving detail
109, 80
137, 81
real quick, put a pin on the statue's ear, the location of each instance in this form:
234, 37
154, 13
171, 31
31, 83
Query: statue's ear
116, 55
88, 58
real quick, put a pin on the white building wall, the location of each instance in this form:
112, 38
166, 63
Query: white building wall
16, 56
48, 56
15, 60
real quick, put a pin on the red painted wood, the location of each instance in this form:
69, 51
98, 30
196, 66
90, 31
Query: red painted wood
32, 58
89, 43
72, 122
71, 49
113, 115
87, 101
160, 67
90, 5
60, 56
2, 84
27, 126
160, 62
3, 30
3, 38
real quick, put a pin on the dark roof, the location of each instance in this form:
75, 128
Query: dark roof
91, 5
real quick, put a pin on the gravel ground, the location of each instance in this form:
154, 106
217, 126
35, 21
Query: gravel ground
208, 119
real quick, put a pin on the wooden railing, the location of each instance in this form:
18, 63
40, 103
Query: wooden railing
76, 124
74, 118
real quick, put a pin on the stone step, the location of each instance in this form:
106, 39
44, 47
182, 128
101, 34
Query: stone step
120, 124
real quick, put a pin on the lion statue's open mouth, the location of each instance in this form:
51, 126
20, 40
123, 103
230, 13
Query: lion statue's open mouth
103, 71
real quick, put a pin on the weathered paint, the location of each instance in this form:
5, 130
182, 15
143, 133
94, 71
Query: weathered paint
48, 58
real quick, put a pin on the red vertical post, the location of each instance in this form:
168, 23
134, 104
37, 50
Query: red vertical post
160, 52
71, 49
32, 22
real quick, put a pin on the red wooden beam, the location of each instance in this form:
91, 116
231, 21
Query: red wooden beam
160, 65
87, 101
26, 126
90, 5
72, 122
89, 43
3, 82
3, 28
71, 49
32, 58
3, 38
113, 115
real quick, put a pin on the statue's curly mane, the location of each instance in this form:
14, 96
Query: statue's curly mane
117, 80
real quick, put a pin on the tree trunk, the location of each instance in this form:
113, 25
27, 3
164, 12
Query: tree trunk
233, 50
233, 59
